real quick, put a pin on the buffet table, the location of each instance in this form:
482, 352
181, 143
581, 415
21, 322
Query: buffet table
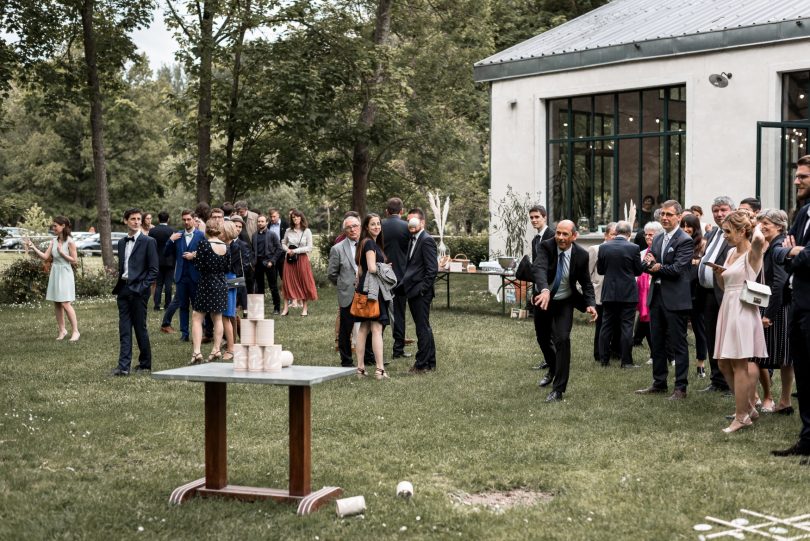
506, 280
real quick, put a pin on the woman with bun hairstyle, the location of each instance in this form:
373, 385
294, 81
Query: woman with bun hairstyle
740, 337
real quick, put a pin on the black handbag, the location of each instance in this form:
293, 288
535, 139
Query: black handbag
292, 258
524, 270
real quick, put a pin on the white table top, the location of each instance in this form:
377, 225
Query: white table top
295, 375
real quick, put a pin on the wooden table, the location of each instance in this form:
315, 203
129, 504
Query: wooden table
506, 279
300, 380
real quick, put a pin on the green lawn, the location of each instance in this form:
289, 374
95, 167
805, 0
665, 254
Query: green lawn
85, 456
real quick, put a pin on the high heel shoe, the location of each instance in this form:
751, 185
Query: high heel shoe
74, 338
380, 373
227, 356
61, 335
215, 356
738, 424
361, 372
753, 414
196, 358
285, 312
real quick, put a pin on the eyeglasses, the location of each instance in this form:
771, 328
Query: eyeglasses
355, 226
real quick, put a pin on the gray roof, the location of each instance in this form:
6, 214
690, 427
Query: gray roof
626, 30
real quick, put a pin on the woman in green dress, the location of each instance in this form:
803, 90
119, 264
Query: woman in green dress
62, 254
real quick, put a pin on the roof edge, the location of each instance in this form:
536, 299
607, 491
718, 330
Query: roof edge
794, 29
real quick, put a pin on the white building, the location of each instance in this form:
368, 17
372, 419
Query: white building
681, 99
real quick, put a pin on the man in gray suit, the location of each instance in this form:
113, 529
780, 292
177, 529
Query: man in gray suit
342, 270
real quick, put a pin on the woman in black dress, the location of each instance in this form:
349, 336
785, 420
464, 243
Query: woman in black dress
369, 252
212, 260
773, 224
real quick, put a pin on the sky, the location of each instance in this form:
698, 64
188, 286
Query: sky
156, 41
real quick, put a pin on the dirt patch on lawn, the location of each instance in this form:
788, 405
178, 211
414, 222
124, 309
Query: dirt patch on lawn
499, 501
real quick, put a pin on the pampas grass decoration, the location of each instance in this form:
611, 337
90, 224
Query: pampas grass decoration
440, 217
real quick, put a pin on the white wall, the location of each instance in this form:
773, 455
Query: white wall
721, 122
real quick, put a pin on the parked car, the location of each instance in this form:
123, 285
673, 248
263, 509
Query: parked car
92, 244
13, 239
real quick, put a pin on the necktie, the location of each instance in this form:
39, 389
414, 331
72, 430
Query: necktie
411, 245
559, 276
664, 245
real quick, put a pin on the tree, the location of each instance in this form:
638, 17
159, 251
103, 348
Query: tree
47, 31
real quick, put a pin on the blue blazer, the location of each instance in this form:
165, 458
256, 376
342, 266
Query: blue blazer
143, 265
179, 247
676, 289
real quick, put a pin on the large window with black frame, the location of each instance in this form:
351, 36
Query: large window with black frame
606, 150
795, 129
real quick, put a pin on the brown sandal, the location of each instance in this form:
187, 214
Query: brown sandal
196, 358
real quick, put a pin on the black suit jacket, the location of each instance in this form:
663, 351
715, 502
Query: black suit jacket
720, 259
273, 249
544, 270
676, 291
396, 237
798, 266
776, 277
421, 269
547, 234
619, 262
161, 234
143, 266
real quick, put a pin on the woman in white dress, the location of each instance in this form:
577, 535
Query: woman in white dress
61, 252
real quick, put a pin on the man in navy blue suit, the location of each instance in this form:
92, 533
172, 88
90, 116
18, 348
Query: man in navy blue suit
182, 243
670, 300
137, 271
795, 255
396, 235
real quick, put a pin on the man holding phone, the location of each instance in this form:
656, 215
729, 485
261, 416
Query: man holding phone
186, 276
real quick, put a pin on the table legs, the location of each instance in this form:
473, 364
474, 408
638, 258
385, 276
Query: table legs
215, 482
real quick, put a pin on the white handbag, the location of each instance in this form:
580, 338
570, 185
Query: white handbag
755, 294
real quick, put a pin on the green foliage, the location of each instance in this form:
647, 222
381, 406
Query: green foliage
94, 283
36, 220
476, 248
512, 212
323, 244
25, 280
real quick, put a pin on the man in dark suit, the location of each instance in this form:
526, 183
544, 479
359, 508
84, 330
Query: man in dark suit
538, 217
266, 250
396, 235
165, 278
596, 280
670, 300
137, 270
619, 262
559, 266
709, 295
186, 276
795, 255
417, 286
278, 226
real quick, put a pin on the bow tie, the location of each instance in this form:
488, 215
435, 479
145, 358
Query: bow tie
130, 239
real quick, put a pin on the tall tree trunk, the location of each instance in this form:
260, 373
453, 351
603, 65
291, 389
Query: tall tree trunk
231, 189
204, 102
361, 157
97, 131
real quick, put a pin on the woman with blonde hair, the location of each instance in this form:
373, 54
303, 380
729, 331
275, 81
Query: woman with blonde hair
212, 260
740, 337
62, 254
228, 235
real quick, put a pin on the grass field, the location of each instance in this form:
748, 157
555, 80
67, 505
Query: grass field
86, 456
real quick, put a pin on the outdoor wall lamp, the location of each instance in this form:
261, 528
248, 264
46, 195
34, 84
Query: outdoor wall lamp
512, 103
721, 80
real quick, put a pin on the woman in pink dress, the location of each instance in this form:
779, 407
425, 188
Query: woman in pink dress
740, 337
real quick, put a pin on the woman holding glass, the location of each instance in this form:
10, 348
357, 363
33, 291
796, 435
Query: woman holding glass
62, 254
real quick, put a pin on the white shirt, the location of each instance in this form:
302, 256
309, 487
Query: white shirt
127, 252
353, 247
188, 235
415, 238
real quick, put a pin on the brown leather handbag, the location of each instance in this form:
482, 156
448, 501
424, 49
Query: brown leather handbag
363, 307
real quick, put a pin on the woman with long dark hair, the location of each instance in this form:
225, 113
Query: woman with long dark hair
691, 226
370, 253
62, 254
299, 283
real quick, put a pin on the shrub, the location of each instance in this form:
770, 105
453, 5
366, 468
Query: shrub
476, 248
95, 283
323, 244
24, 280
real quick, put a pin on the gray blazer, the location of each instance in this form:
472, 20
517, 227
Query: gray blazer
342, 271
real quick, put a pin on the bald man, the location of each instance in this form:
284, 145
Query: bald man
559, 266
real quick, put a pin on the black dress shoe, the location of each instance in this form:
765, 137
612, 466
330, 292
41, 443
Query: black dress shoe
784, 411
541, 366
796, 450
545, 381
118, 372
554, 396
404, 354
142, 370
